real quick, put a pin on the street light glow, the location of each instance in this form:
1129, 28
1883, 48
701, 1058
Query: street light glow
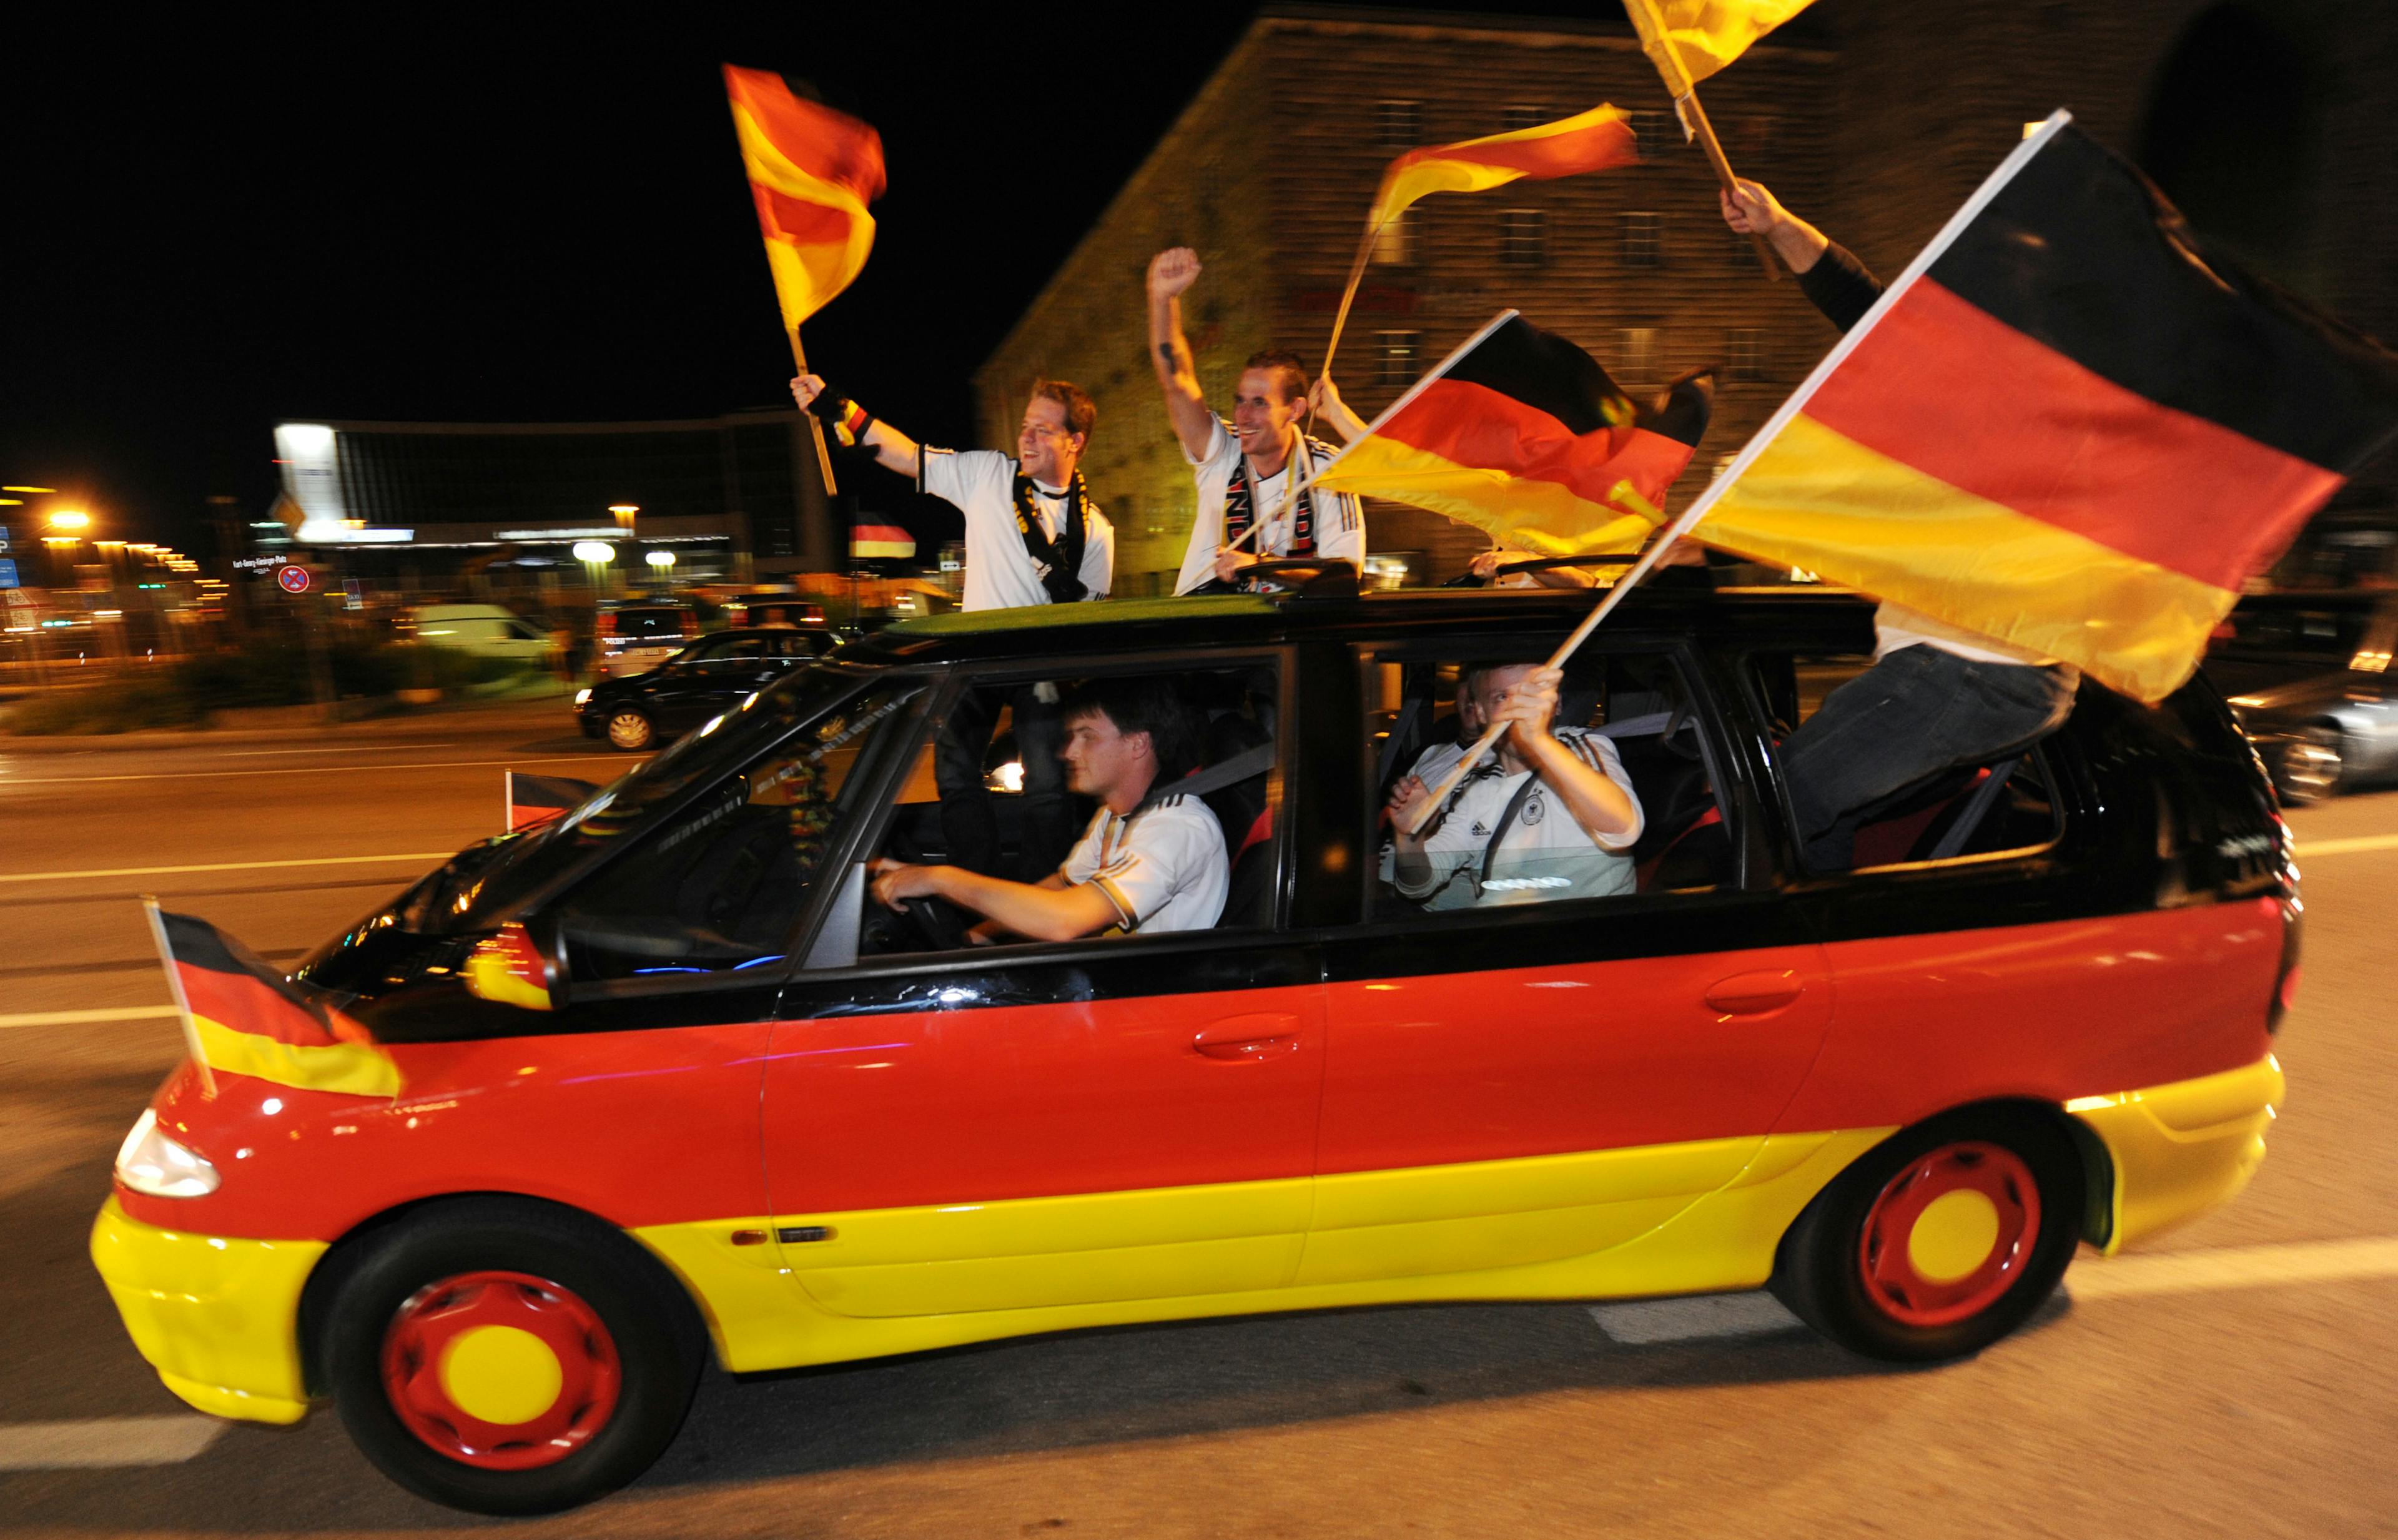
43, 492
596, 552
660, 559
70, 519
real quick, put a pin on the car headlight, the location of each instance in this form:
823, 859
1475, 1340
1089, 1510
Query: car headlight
583, 694
150, 1162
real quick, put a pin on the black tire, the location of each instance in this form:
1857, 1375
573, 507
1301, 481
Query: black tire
1824, 1274
631, 729
652, 1332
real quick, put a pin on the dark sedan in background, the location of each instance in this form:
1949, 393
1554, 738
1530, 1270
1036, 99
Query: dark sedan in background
2308, 675
713, 674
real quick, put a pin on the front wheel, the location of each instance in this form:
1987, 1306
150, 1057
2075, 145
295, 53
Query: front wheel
505, 1357
631, 730
2312, 764
1941, 1240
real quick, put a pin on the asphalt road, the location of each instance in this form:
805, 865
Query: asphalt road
2233, 1379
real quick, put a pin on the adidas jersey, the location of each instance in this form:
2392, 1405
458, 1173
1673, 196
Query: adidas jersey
1163, 868
1544, 854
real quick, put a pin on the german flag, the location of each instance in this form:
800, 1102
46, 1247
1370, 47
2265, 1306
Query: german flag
1521, 434
243, 1017
1689, 40
888, 542
1598, 140
2069, 425
811, 171
537, 800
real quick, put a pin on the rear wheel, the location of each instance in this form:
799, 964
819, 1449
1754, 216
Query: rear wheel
508, 1358
1939, 1242
631, 729
2312, 764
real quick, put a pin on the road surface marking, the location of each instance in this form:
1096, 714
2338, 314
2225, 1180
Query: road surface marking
302, 770
339, 749
104, 1443
1645, 1321
2236, 1267
219, 866
2308, 849
76, 1017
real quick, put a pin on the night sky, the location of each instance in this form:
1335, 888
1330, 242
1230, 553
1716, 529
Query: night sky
438, 219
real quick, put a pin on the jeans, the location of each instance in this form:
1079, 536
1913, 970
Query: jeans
1918, 711
967, 823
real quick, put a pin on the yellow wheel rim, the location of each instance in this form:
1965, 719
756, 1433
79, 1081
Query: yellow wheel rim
1952, 1237
501, 1374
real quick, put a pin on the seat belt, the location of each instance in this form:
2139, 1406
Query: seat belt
1977, 807
1230, 772
1506, 820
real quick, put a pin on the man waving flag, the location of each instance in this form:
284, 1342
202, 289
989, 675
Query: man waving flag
2069, 427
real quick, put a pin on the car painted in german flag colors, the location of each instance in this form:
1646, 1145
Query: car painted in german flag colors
498, 1169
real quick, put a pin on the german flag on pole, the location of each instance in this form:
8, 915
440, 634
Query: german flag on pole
888, 542
812, 172
241, 1017
1598, 140
1693, 39
2067, 425
1521, 434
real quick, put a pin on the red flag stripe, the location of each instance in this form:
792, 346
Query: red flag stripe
1472, 425
248, 1005
816, 139
792, 219
1598, 148
1944, 386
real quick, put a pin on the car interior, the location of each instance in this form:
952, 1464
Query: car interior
1235, 712
1637, 700
2001, 802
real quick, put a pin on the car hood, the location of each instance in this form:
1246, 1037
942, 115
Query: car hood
2313, 693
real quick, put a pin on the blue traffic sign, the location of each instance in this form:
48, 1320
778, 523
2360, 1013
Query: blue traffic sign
7, 574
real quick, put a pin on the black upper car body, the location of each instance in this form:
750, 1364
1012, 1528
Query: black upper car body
710, 676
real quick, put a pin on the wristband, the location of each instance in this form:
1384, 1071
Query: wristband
831, 405
851, 430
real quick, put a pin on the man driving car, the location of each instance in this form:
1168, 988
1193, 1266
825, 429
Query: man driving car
1148, 862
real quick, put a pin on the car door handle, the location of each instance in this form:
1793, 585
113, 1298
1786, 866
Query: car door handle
1755, 993
1249, 1039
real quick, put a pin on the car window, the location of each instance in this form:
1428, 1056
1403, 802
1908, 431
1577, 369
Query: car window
718, 885
1627, 805
975, 796
737, 648
2020, 813
645, 626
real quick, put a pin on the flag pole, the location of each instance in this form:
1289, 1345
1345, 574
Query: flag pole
1356, 277
182, 1003
1772, 428
1685, 92
816, 423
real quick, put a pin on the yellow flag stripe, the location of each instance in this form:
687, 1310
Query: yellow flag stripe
349, 1069
1543, 517
1820, 500
806, 277
1706, 35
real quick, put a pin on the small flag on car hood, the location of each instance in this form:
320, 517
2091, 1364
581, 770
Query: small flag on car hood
243, 1017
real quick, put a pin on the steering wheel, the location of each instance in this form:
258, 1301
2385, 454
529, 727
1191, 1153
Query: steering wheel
918, 924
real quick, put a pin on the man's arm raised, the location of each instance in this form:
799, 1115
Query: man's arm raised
893, 449
1037, 913
1170, 273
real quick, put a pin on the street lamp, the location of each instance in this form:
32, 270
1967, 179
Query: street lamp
595, 555
70, 519
624, 512
660, 559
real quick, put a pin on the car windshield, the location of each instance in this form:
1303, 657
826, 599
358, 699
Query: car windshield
648, 625
488, 884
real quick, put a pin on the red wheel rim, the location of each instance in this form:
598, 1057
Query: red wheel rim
1990, 1190
475, 1395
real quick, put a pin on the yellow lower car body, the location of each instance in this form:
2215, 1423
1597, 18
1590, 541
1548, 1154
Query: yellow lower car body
218, 1317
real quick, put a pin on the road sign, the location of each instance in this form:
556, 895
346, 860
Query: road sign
293, 578
3, 537
7, 573
353, 594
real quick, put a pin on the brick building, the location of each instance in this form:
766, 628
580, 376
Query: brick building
2275, 128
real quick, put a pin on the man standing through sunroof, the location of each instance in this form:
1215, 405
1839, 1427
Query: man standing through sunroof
1245, 467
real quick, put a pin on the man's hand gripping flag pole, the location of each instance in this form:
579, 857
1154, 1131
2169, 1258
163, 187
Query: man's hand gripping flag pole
1659, 47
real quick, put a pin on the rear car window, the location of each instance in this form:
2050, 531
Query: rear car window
648, 625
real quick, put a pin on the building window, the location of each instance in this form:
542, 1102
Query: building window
1523, 238
1636, 352
1745, 352
1655, 130
1398, 125
1524, 116
1394, 244
1641, 228
1396, 355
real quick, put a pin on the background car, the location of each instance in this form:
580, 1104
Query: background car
2309, 678
484, 631
714, 674
630, 637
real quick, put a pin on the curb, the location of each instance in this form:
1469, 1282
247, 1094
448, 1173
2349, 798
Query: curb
163, 738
